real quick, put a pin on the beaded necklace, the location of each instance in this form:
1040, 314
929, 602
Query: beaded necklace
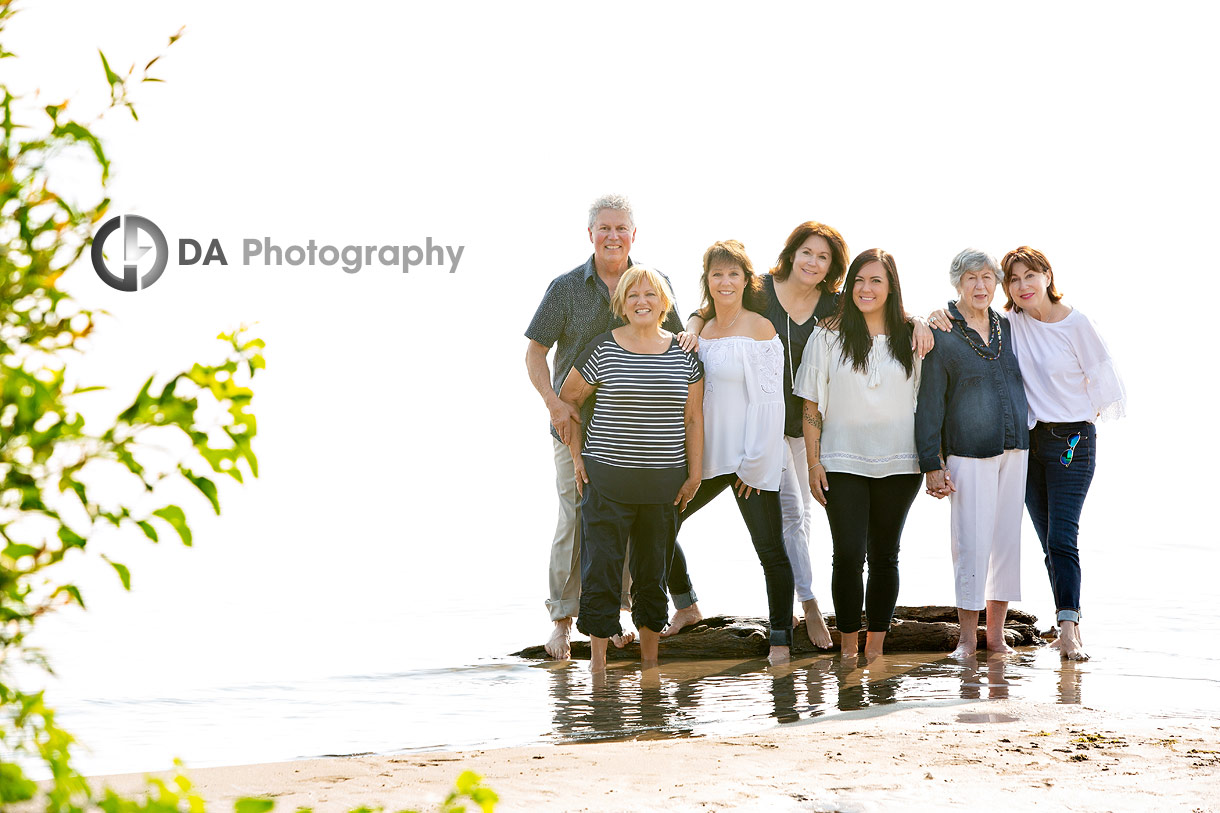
994, 327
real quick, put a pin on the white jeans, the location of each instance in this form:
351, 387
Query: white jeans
985, 527
795, 505
564, 574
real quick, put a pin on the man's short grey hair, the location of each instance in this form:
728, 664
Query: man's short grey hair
972, 259
616, 202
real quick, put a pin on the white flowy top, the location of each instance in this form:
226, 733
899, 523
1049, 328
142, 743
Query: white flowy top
1069, 375
868, 419
743, 409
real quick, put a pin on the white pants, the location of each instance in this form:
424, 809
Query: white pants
795, 505
986, 527
564, 574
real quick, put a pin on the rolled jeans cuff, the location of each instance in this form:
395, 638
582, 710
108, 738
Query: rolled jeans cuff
781, 637
1069, 615
684, 600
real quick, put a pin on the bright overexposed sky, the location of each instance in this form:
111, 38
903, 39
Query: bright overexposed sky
404, 458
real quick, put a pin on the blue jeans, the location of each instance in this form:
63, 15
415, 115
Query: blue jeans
1054, 495
762, 516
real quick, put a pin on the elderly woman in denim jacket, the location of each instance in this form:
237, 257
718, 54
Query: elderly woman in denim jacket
970, 430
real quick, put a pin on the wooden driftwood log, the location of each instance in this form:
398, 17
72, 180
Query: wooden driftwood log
724, 637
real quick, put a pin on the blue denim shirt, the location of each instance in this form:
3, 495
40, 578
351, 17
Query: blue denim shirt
971, 404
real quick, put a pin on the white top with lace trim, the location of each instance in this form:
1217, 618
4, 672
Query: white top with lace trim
868, 419
743, 409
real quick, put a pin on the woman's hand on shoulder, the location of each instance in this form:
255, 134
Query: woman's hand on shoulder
689, 342
941, 320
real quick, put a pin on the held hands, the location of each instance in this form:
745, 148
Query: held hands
744, 491
562, 415
686, 493
939, 484
689, 342
818, 483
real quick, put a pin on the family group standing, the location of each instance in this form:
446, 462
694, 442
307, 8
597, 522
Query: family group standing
810, 383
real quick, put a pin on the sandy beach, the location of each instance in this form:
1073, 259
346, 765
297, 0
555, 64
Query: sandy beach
982, 755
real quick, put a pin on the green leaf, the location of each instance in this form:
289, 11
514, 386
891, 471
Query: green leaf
250, 805
124, 573
111, 77
15, 550
206, 486
70, 538
73, 592
14, 786
177, 520
148, 529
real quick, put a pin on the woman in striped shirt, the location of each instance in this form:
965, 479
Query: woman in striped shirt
640, 462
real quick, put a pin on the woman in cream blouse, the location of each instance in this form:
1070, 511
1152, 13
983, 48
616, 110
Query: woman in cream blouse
859, 379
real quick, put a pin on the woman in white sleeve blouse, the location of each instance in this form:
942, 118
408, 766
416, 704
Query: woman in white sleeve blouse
1070, 381
859, 378
743, 420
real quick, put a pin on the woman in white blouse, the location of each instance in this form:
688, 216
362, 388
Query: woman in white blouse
1070, 381
743, 420
859, 378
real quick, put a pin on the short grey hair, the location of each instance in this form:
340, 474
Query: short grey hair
972, 259
616, 202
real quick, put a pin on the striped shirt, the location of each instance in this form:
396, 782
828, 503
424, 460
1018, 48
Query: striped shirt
635, 443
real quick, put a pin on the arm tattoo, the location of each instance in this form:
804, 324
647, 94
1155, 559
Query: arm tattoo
814, 419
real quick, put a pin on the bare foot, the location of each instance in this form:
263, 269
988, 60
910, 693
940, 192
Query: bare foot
1071, 646
997, 612
815, 625
849, 645
874, 643
622, 639
682, 619
559, 646
597, 654
964, 651
778, 654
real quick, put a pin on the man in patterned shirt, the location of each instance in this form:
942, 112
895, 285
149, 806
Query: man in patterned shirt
574, 311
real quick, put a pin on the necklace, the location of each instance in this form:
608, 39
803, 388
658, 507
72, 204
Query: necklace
993, 322
735, 318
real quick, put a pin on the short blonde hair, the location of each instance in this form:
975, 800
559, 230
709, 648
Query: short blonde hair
632, 277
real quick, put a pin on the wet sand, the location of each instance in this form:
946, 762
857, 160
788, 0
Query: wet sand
981, 755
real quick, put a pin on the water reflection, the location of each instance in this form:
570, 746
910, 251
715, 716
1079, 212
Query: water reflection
705, 697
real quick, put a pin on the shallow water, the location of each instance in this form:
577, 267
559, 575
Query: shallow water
407, 650
510, 702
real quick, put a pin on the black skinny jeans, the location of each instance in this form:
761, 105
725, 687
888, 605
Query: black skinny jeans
866, 517
761, 514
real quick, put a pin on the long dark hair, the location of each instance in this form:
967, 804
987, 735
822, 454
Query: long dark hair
838, 254
731, 251
849, 321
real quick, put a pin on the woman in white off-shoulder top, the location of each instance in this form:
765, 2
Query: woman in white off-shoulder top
743, 420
